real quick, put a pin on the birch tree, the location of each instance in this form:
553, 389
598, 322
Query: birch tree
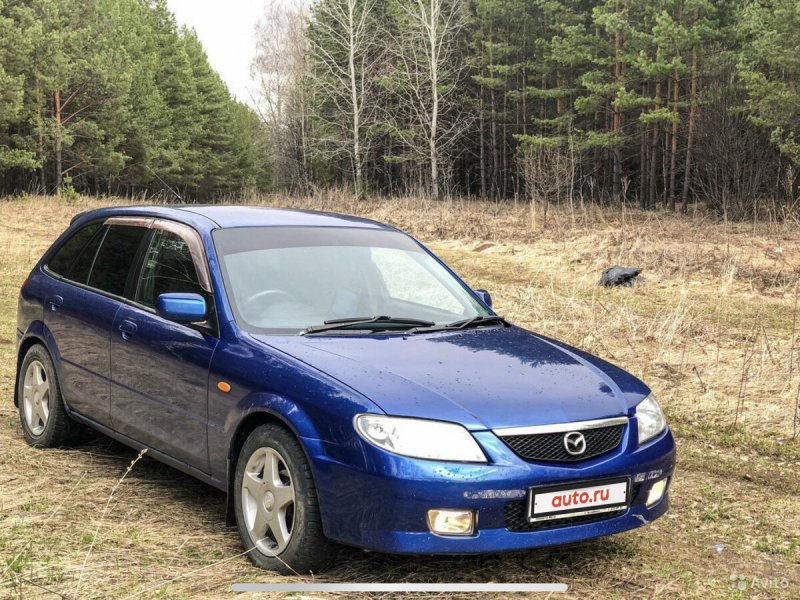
346, 59
280, 68
428, 68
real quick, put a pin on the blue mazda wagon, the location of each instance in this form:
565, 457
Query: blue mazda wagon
337, 380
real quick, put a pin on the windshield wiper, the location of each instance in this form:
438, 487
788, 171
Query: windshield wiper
477, 321
335, 324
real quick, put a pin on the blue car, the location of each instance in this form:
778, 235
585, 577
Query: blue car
337, 380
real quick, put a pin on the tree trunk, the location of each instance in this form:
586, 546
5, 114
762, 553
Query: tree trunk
690, 133
643, 157
493, 129
504, 148
58, 141
351, 64
305, 176
654, 151
643, 167
482, 139
525, 94
673, 154
434, 155
40, 147
617, 126
559, 98
598, 163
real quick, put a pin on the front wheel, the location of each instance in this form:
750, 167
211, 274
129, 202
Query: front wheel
276, 506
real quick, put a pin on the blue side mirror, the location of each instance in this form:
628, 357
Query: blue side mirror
485, 296
183, 308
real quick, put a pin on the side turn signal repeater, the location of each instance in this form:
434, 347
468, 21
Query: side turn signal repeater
224, 386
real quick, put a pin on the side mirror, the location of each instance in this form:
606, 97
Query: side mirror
182, 308
485, 297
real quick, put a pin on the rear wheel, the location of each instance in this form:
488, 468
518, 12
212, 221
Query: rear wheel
45, 423
277, 512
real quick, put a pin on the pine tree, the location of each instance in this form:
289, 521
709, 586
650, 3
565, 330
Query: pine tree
16, 46
770, 68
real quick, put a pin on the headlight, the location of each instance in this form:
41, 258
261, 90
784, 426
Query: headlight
419, 438
651, 419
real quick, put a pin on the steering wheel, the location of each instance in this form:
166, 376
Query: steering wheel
258, 297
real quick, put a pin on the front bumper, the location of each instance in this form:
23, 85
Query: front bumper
382, 503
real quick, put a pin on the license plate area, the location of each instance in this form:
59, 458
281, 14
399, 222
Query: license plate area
548, 503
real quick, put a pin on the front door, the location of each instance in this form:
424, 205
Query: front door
159, 368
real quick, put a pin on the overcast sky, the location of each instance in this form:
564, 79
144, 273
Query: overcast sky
226, 29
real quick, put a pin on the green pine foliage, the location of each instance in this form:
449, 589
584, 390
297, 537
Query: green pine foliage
663, 103
630, 96
770, 69
110, 96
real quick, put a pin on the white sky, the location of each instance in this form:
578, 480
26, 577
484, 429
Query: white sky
227, 30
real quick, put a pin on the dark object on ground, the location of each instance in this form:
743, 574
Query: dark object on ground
616, 276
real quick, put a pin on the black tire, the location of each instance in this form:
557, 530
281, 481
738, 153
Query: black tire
307, 549
59, 429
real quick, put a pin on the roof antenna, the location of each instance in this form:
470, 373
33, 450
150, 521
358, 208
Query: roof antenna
174, 193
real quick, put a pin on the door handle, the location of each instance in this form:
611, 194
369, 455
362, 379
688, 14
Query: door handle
54, 302
127, 329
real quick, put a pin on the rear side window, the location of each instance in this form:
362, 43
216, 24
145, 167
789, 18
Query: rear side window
115, 258
83, 264
168, 268
65, 257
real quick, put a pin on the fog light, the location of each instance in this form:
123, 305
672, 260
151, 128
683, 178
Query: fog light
656, 492
445, 521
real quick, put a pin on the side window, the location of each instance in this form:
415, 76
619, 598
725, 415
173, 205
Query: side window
115, 258
65, 256
83, 264
168, 268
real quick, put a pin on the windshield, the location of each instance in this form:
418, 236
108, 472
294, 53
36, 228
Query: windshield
286, 279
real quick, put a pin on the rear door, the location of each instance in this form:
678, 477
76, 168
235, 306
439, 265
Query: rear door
80, 318
159, 367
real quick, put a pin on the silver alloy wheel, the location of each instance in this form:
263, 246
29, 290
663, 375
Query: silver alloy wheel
36, 397
268, 501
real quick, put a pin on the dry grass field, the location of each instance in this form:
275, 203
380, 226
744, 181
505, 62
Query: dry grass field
713, 329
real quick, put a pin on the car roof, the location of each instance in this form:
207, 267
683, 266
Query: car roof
222, 216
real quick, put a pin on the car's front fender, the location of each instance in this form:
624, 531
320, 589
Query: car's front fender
251, 384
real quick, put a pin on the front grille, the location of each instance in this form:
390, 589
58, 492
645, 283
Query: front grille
550, 446
516, 518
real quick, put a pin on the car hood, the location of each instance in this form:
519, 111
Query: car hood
483, 378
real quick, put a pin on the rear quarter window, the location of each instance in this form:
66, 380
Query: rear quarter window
65, 257
115, 258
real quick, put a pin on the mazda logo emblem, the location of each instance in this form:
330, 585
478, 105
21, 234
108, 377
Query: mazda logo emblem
574, 443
